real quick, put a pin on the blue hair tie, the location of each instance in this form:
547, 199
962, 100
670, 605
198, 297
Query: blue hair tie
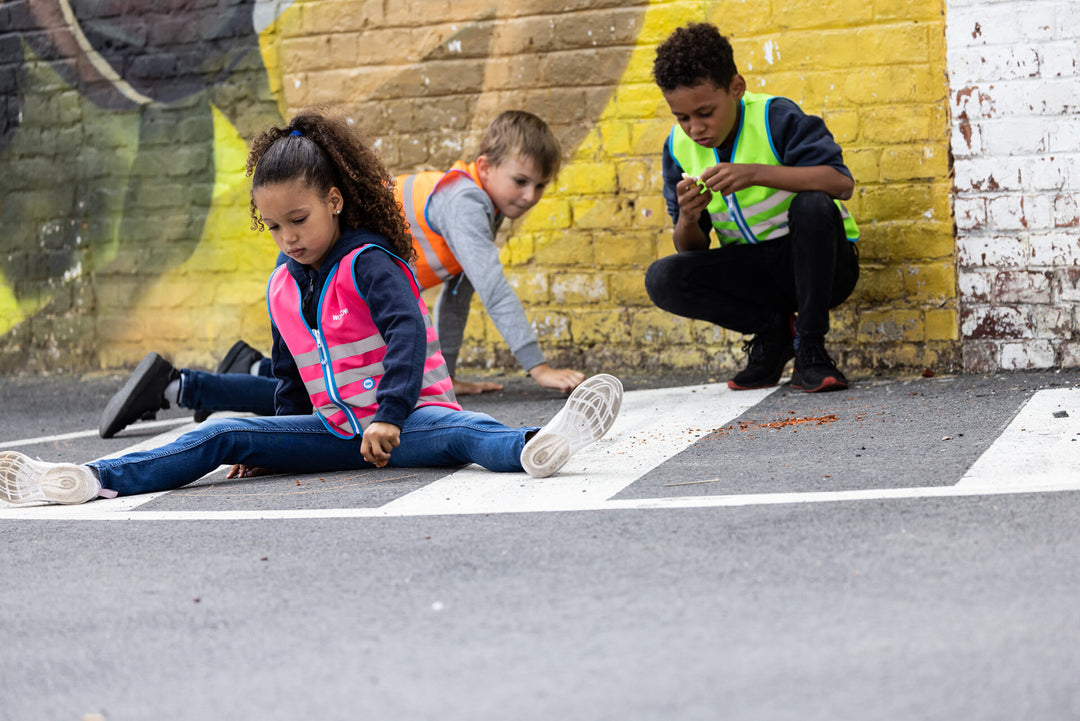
295, 132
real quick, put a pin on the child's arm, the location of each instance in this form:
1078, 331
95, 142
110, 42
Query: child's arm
463, 214
728, 178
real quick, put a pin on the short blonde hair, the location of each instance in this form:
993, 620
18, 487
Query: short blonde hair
517, 132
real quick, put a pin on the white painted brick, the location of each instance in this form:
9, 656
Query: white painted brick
1065, 135
995, 323
1006, 213
1021, 286
970, 212
1067, 285
975, 285
1066, 212
1052, 321
995, 252
1059, 59
1015, 136
1054, 96
1055, 249
966, 138
1028, 355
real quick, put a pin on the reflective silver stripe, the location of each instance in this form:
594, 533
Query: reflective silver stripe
362, 399
437, 374
311, 358
360, 347
768, 204
352, 375
407, 204
764, 225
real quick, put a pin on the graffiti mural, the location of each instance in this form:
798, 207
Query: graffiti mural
107, 140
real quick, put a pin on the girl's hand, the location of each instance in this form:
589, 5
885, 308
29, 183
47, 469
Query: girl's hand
379, 439
242, 471
558, 379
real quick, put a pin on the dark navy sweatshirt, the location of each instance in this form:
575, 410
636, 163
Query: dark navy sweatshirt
390, 298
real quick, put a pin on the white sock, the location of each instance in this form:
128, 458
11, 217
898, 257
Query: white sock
172, 392
255, 368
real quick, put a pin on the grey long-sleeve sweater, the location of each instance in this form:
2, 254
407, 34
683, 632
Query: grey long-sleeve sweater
463, 213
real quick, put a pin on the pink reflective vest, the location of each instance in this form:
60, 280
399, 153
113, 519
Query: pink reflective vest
340, 361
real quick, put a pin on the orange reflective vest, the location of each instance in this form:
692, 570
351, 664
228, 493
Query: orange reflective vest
434, 261
340, 360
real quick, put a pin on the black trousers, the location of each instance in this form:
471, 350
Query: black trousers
752, 288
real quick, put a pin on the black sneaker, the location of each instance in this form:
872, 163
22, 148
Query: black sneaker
140, 397
239, 359
768, 354
815, 371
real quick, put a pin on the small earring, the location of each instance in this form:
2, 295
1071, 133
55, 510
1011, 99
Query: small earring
337, 212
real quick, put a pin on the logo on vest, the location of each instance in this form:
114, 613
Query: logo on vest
368, 384
341, 314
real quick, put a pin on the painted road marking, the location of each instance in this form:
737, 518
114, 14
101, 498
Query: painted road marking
1036, 453
87, 434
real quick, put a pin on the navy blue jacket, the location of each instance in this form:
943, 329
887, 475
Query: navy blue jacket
393, 307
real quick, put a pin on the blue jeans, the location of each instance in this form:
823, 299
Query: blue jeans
431, 436
202, 391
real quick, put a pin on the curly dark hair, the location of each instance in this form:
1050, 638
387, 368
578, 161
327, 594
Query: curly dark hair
325, 149
692, 54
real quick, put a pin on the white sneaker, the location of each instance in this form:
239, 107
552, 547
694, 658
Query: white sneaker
24, 480
587, 416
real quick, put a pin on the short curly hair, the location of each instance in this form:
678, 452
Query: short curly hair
692, 54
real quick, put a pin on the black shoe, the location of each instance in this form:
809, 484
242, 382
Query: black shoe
815, 371
239, 359
768, 354
140, 397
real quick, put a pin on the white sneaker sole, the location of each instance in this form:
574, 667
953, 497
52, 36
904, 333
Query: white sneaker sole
24, 480
588, 414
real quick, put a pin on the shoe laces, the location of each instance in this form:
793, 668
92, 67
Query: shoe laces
814, 354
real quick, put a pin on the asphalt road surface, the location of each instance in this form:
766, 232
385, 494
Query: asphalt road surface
905, 549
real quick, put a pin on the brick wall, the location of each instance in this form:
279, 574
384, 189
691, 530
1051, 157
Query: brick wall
145, 205
1015, 97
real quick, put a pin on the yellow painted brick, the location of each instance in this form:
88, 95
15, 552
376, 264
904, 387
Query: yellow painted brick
549, 214
931, 11
616, 135
640, 100
894, 201
649, 137
930, 284
742, 18
633, 175
892, 43
817, 49
602, 213
879, 285
530, 285
888, 124
822, 13
569, 288
843, 124
651, 212
906, 240
941, 325
519, 249
551, 326
864, 164
891, 325
587, 179
664, 18
605, 327
615, 249
657, 329
911, 162
564, 249
627, 288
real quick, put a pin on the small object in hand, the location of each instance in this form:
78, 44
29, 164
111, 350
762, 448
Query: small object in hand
699, 181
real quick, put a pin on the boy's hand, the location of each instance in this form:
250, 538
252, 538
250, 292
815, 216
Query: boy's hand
693, 196
559, 379
242, 471
379, 439
728, 178
474, 388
